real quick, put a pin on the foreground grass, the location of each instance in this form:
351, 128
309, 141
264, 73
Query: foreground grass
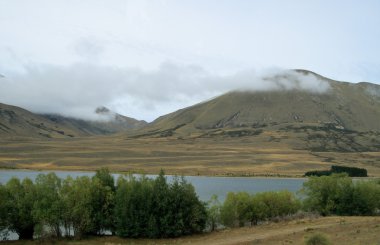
340, 230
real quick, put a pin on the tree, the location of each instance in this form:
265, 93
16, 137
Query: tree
102, 201
338, 194
154, 208
258, 210
189, 214
322, 193
48, 207
77, 200
21, 198
236, 209
133, 208
161, 202
4, 210
366, 198
213, 212
105, 178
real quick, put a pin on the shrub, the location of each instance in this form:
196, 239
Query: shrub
317, 239
350, 171
338, 194
240, 208
154, 208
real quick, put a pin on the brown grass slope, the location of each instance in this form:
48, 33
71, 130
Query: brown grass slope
350, 106
112, 123
15, 121
18, 122
346, 105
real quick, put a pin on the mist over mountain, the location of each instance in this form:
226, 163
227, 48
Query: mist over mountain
290, 99
15, 121
74, 91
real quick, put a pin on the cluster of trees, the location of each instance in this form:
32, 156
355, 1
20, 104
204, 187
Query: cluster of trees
93, 206
340, 195
337, 194
351, 171
154, 208
243, 208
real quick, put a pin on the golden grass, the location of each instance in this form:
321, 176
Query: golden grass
190, 156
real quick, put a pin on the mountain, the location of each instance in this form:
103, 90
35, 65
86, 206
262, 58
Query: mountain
346, 111
109, 122
15, 121
345, 105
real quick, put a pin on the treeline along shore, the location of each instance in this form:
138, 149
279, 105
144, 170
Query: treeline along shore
51, 207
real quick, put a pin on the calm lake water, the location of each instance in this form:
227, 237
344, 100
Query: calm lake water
204, 186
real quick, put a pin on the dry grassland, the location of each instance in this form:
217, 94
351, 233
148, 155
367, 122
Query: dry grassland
235, 156
340, 230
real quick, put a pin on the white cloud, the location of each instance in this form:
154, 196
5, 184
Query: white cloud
77, 90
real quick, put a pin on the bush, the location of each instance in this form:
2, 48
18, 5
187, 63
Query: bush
338, 194
350, 171
19, 199
154, 208
317, 239
213, 212
240, 208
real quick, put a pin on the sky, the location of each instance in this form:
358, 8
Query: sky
147, 58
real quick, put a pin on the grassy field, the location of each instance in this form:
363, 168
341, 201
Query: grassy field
271, 153
340, 230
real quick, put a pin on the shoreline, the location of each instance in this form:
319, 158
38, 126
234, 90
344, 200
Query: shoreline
257, 176
229, 175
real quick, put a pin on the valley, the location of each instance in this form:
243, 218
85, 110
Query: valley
270, 153
284, 132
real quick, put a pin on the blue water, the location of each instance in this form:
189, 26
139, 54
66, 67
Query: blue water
204, 186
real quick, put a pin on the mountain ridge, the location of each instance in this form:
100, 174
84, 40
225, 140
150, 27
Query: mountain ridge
16, 121
346, 105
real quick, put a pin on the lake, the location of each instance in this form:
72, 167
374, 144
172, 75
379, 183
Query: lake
205, 186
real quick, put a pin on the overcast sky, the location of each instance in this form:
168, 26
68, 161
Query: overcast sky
147, 58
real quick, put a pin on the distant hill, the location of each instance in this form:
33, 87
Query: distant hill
15, 121
345, 105
340, 119
109, 123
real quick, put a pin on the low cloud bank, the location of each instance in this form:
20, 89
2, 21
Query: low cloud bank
79, 89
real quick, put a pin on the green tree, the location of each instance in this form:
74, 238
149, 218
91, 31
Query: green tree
366, 198
154, 208
236, 209
258, 210
188, 213
48, 207
4, 210
161, 202
338, 194
66, 196
21, 198
102, 201
78, 207
133, 208
323, 193
105, 178
213, 212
